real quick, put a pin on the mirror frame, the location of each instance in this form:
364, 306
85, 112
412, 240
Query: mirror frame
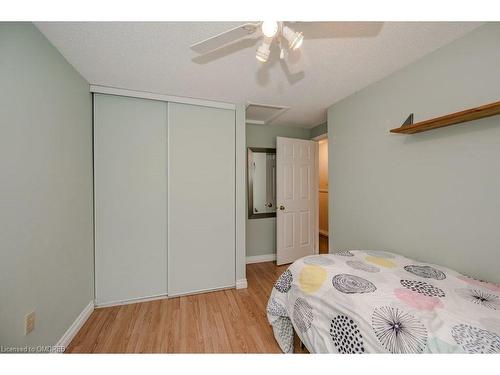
250, 151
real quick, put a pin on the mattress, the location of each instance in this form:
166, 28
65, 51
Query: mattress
380, 302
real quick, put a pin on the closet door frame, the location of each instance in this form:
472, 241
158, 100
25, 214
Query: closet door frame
160, 97
240, 164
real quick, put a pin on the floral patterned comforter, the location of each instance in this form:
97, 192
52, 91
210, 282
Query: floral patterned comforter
380, 302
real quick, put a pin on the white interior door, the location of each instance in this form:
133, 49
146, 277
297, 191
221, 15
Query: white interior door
296, 199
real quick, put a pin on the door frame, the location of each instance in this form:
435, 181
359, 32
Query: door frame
320, 137
317, 139
240, 157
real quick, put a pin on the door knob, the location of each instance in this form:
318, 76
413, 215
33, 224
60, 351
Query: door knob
282, 208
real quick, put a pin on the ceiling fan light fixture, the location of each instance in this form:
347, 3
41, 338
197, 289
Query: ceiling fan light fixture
294, 39
269, 28
264, 50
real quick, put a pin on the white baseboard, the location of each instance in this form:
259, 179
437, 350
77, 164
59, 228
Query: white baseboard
241, 284
130, 301
261, 258
65, 340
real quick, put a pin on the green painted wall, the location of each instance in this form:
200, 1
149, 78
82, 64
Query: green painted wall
319, 130
433, 196
261, 233
46, 251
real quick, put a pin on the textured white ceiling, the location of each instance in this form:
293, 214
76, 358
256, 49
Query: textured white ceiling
336, 59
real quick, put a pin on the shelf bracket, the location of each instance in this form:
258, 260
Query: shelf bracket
408, 121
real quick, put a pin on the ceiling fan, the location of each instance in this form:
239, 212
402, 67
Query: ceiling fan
272, 31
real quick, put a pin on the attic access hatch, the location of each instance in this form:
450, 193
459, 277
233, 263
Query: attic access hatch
263, 114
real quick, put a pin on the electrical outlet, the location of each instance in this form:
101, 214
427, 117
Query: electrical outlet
29, 323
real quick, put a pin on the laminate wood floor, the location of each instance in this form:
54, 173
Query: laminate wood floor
228, 321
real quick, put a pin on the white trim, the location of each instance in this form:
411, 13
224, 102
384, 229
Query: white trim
316, 188
241, 284
240, 193
255, 122
169, 266
323, 232
261, 258
320, 137
130, 301
71, 332
97, 89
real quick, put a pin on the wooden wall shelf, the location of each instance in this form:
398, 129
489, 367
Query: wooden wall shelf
451, 119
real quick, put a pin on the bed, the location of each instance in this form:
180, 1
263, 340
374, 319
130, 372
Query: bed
380, 302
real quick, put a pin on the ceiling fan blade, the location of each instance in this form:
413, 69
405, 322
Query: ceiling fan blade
224, 38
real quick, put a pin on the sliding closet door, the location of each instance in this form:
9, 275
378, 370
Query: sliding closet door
130, 158
201, 203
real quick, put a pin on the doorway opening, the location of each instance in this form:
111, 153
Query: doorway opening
323, 194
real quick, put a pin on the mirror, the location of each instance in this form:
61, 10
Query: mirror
261, 168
